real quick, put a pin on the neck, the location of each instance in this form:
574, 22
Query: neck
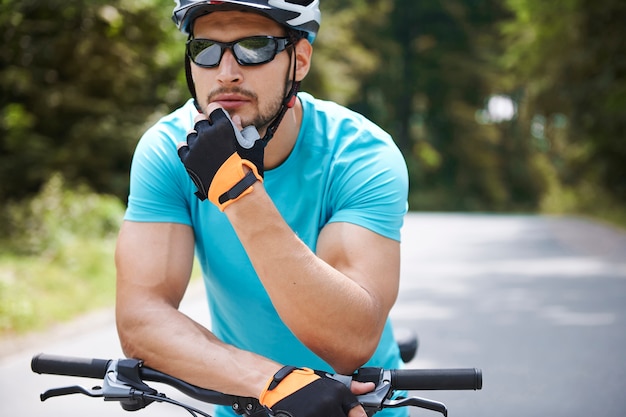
281, 145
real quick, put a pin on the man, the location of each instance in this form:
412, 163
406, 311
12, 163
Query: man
295, 221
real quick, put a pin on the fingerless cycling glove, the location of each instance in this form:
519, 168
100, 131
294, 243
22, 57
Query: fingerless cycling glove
212, 160
306, 393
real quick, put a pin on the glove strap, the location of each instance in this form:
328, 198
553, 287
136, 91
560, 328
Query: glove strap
279, 376
239, 188
285, 382
231, 182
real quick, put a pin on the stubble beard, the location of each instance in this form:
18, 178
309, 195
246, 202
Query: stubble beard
264, 115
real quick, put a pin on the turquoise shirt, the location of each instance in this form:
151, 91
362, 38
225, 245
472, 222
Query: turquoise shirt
343, 168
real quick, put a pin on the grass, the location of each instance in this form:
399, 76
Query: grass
56, 256
38, 291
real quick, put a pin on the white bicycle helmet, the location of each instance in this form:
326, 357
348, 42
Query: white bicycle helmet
300, 15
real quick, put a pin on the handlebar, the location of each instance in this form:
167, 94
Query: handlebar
124, 381
437, 379
69, 366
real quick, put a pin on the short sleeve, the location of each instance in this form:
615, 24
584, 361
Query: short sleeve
370, 188
160, 188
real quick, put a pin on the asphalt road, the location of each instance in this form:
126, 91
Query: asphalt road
538, 303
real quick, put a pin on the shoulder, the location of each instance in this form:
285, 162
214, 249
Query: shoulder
336, 115
157, 148
337, 128
367, 174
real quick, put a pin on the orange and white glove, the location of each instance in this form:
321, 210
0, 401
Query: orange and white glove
297, 392
212, 158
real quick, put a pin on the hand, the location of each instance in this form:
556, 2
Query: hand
360, 388
307, 393
211, 159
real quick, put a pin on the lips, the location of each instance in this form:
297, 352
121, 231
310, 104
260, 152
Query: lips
230, 101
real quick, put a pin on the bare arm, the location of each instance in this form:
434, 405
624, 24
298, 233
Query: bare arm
154, 262
337, 301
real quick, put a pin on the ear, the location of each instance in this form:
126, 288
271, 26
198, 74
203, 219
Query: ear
304, 51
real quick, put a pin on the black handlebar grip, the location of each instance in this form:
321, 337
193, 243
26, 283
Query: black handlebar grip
437, 379
70, 366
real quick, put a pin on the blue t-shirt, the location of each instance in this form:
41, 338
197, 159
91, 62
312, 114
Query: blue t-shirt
343, 168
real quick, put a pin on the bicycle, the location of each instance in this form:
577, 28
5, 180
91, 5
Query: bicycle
124, 380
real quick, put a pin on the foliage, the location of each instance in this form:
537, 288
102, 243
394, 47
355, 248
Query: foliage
424, 70
56, 257
43, 224
341, 59
79, 79
569, 59
433, 67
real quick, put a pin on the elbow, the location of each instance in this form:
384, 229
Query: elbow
126, 340
348, 350
351, 362
346, 358
129, 346
348, 366
129, 335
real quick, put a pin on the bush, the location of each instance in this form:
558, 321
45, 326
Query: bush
56, 256
43, 224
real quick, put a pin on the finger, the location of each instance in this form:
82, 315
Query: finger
218, 114
192, 135
201, 125
237, 122
202, 122
357, 411
183, 150
359, 388
200, 116
211, 107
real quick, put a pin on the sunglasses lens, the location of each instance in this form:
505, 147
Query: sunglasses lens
249, 51
205, 52
255, 50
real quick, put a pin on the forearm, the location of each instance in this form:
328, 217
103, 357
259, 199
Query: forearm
168, 340
154, 264
323, 304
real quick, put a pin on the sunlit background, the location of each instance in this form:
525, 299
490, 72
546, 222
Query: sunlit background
499, 107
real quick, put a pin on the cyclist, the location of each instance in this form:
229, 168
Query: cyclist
292, 205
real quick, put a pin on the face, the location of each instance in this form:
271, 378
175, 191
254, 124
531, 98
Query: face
254, 93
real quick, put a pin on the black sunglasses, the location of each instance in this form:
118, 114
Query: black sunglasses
255, 50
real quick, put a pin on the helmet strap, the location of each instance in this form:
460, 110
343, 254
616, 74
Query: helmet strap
288, 102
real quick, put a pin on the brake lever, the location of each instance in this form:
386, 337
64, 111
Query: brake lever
95, 392
380, 397
121, 383
113, 391
417, 402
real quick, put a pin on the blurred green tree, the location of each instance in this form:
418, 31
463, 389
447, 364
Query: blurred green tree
79, 80
423, 70
82, 79
569, 59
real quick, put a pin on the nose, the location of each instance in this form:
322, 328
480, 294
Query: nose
229, 71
